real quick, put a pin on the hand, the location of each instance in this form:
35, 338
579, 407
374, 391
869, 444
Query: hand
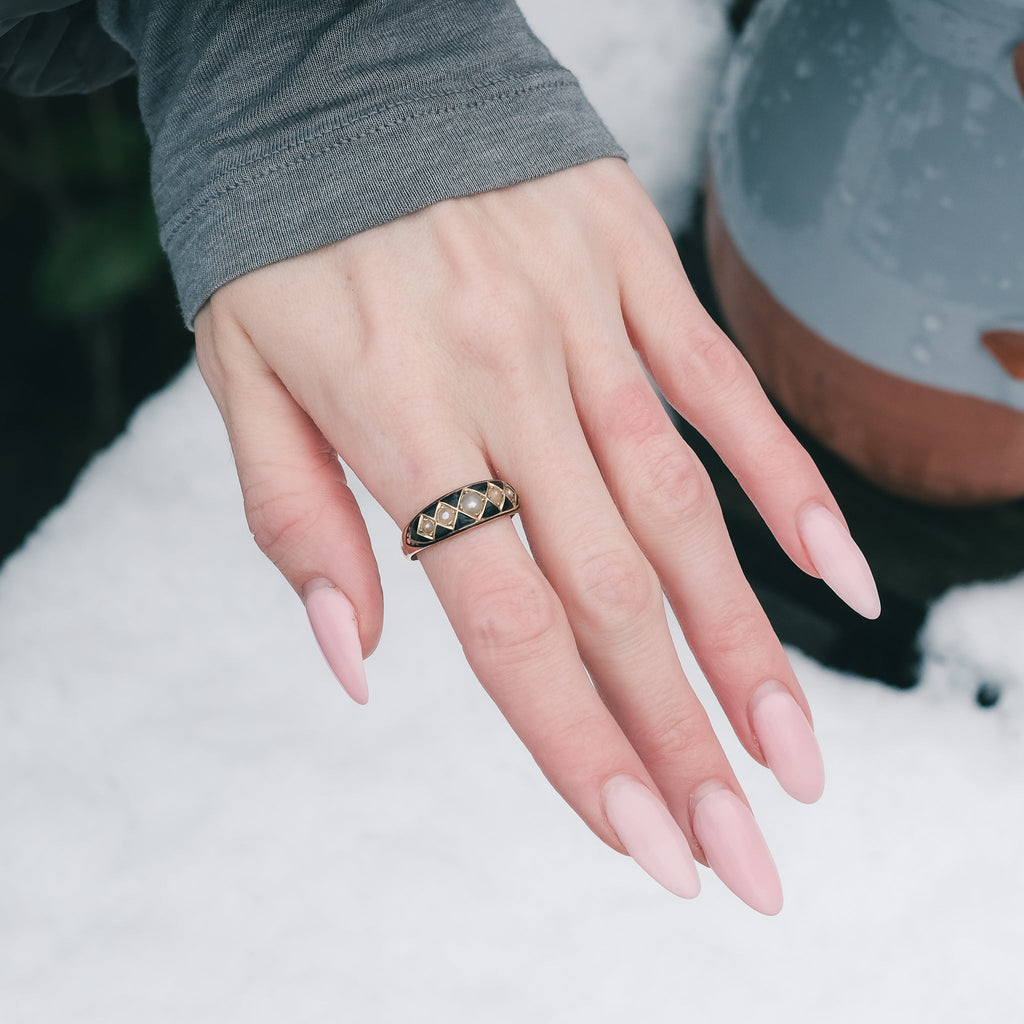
494, 337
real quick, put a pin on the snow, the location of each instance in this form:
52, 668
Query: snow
197, 824
972, 637
648, 68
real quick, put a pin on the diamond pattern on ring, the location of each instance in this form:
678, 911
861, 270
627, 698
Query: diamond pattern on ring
446, 515
476, 503
496, 495
472, 503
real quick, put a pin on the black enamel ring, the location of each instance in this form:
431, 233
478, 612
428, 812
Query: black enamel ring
459, 511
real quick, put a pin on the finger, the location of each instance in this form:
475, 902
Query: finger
517, 639
615, 610
509, 620
708, 381
669, 504
301, 512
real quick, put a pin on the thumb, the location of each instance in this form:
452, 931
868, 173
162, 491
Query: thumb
300, 509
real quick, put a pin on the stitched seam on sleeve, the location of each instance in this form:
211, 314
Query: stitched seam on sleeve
410, 99
337, 143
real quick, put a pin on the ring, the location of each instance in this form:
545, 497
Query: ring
459, 511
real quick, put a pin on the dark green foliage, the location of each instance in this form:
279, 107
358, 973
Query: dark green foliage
90, 324
97, 259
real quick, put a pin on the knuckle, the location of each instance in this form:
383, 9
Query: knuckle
715, 364
280, 520
673, 480
734, 637
778, 455
511, 616
677, 739
632, 414
576, 736
663, 470
614, 586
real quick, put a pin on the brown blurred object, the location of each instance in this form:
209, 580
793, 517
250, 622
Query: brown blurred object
916, 441
1008, 348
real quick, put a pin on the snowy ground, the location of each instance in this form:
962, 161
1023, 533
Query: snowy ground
198, 826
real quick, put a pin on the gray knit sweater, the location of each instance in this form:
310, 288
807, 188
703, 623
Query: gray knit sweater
279, 126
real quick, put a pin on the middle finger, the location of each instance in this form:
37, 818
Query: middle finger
614, 604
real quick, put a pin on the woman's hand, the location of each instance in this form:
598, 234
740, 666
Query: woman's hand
497, 337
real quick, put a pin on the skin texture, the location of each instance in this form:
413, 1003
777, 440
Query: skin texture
497, 337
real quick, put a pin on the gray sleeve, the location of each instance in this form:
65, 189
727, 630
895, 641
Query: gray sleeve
49, 47
281, 126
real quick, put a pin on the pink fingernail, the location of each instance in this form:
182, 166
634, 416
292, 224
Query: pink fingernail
735, 849
334, 625
650, 835
838, 560
787, 742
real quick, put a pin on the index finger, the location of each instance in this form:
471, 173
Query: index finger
706, 379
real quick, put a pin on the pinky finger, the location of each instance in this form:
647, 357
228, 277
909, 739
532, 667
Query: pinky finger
298, 505
705, 378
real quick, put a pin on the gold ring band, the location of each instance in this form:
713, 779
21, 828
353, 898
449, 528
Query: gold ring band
458, 511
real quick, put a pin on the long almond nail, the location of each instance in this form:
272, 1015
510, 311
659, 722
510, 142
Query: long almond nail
650, 835
787, 742
736, 850
335, 627
838, 560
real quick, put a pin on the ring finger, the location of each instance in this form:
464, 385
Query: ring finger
614, 607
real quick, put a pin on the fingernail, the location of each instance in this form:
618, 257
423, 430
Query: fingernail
838, 560
736, 850
787, 742
650, 835
334, 625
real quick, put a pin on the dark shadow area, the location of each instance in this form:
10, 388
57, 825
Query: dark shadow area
91, 324
739, 11
917, 552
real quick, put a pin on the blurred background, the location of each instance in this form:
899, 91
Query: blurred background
93, 327
91, 323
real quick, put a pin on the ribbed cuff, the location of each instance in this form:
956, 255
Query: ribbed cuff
345, 179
